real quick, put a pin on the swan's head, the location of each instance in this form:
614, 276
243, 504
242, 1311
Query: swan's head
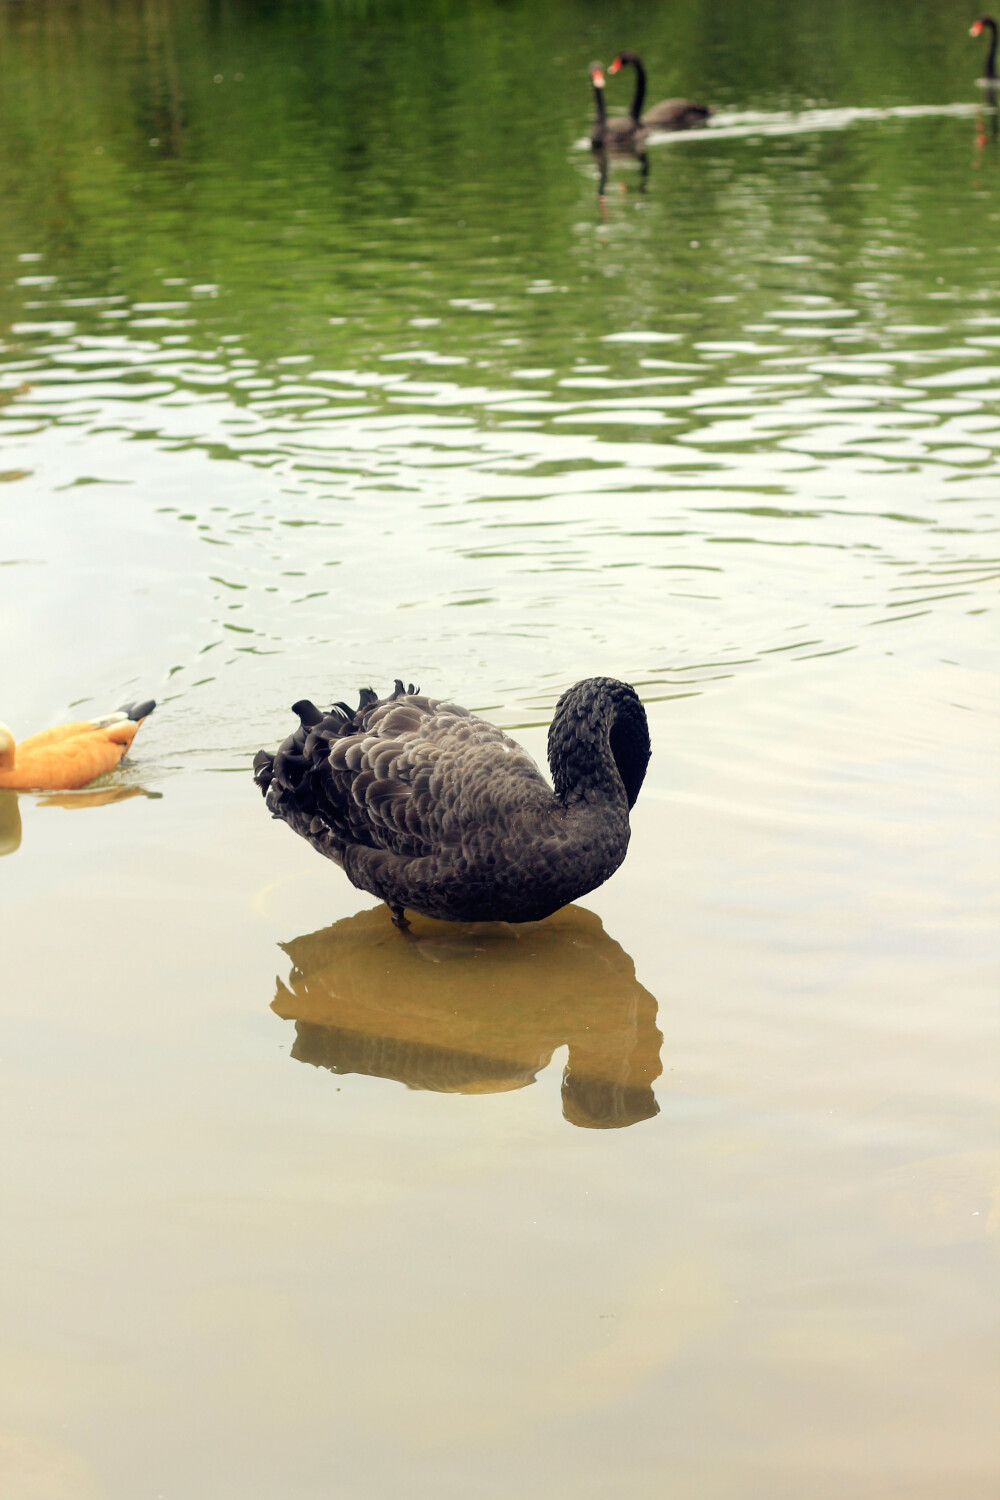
597, 75
622, 61
629, 740
6, 749
980, 23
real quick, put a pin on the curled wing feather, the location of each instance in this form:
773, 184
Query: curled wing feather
410, 775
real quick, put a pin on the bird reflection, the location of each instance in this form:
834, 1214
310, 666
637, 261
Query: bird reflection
108, 794
988, 124
10, 823
602, 159
478, 1009
10, 812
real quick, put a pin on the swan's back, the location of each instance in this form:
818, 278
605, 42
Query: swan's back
408, 774
677, 114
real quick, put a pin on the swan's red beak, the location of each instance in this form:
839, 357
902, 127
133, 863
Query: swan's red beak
615, 65
976, 28
598, 77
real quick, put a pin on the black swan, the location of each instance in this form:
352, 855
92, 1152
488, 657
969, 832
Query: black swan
621, 132
432, 809
672, 114
979, 25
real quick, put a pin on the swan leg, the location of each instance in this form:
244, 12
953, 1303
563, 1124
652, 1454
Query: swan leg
399, 918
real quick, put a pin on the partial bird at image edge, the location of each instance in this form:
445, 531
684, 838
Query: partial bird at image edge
69, 756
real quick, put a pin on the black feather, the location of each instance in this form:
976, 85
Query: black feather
307, 711
263, 766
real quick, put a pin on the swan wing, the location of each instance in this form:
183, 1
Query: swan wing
413, 776
677, 114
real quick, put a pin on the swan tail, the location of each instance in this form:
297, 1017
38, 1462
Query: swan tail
299, 777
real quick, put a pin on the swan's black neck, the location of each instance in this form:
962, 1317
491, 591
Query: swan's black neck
598, 742
602, 113
979, 25
638, 98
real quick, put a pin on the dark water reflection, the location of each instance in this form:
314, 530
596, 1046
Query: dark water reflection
478, 1009
603, 159
988, 123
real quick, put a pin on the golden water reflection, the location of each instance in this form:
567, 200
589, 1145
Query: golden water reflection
478, 1008
10, 813
73, 801
10, 823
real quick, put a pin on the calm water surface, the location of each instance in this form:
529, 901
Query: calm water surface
321, 363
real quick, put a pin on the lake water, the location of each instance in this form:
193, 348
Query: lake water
320, 364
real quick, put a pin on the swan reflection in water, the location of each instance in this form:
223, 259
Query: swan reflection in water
988, 124
602, 159
478, 1009
10, 813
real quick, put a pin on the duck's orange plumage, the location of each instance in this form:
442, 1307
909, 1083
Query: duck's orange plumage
71, 755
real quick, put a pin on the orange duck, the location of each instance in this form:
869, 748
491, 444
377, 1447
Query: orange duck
69, 756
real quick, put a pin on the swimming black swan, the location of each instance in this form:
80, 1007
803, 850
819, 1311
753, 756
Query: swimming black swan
430, 808
979, 25
621, 132
672, 114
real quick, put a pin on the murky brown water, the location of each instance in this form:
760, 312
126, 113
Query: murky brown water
690, 1190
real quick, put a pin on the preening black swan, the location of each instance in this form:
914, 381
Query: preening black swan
979, 25
432, 809
672, 114
621, 132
